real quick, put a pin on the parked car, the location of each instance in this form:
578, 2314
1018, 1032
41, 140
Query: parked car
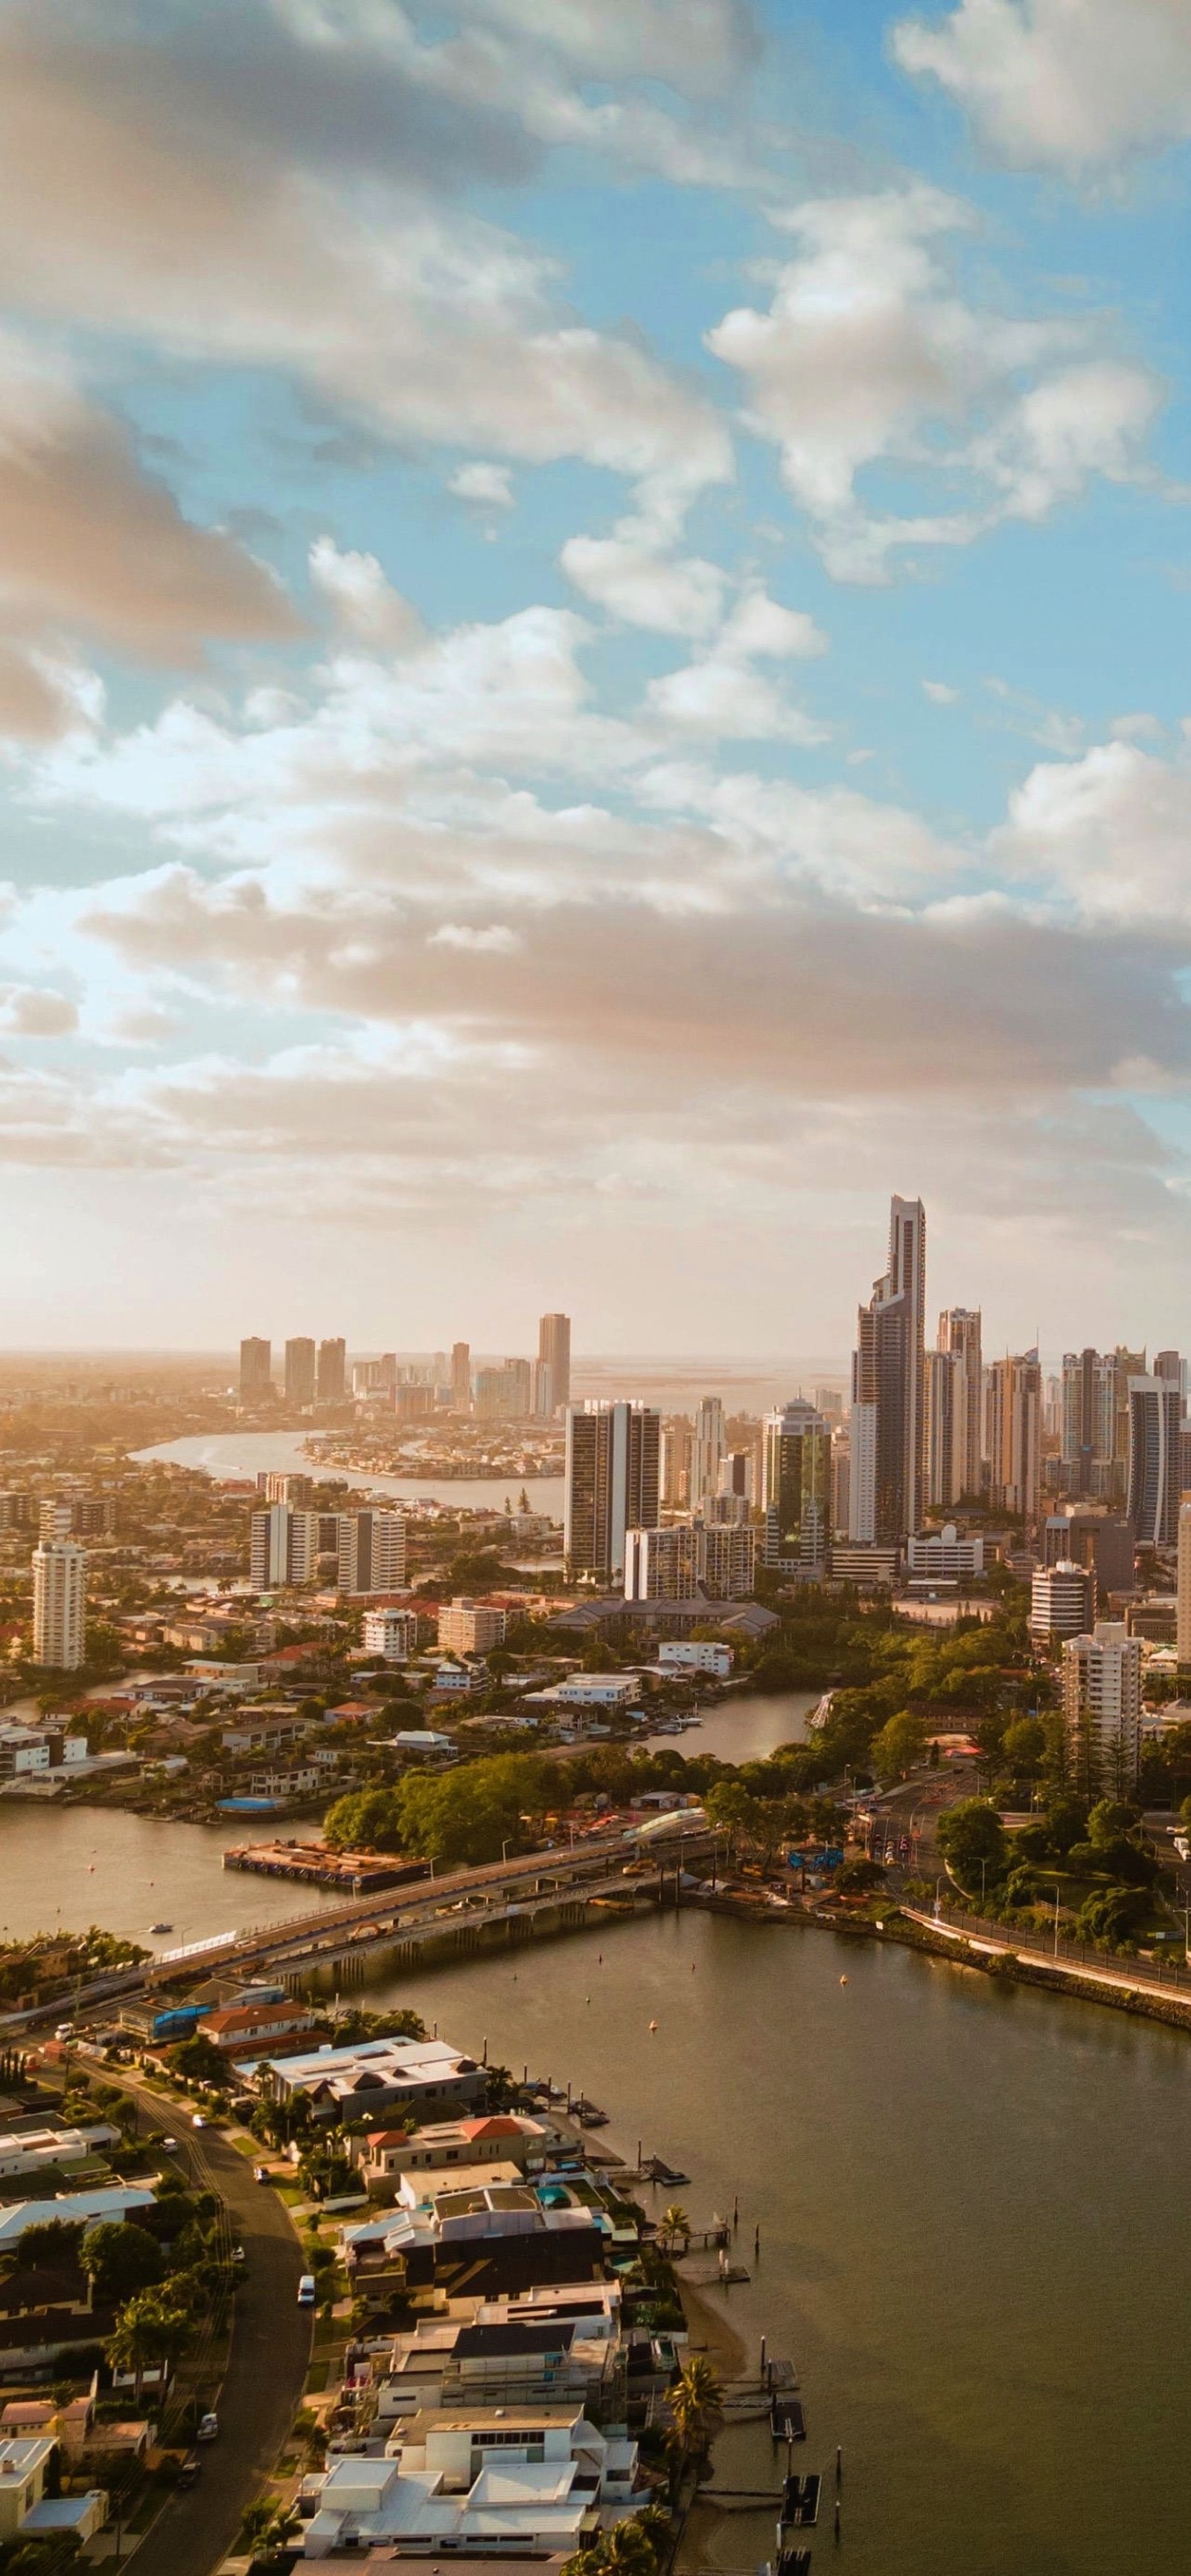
260, 2173
189, 2471
198, 2121
208, 2430
307, 2290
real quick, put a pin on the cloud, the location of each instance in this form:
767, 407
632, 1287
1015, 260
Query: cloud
362, 599
490, 486
1070, 85
627, 575
940, 693
870, 354
29, 1011
1105, 836
721, 694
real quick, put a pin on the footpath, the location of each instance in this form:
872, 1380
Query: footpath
1127, 1984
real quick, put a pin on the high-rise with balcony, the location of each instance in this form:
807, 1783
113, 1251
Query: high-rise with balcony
59, 1604
301, 1371
460, 1377
1089, 1422
554, 1362
1155, 1424
889, 1390
331, 1380
283, 1547
256, 1369
613, 1459
708, 1449
1014, 1434
1183, 1613
796, 1490
371, 1552
1102, 1710
959, 1336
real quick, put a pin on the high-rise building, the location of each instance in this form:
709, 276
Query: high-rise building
331, 1381
1168, 1366
371, 1552
256, 1370
841, 1482
1062, 1601
941, 1372
736, 1474
505, 1394
1014, 1431
1102, 1710
1155, 1424
467, 1627
1096, 1539
889, 1389
959, 1335
554, 1354
708, 1449
1126, 1364
55, 1518
1089, 1421
391, 1633
301, 1371
1183, 1614
688, 1559
283, 1547
613, 1460
460, 1377
59, 1604
676, 1462
796, 1490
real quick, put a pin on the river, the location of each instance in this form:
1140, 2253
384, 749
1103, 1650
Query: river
283, 1453
744, 1727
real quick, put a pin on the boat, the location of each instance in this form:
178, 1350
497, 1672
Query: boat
659, 2171
787, 2423
800, 2503
589, 2114
161, 1927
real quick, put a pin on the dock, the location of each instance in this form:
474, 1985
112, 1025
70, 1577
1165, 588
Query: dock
800, 2503
315, 1865
787, 2423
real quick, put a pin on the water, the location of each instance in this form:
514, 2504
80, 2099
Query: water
283, 1453
972, 2209
744, 1727
67, 1867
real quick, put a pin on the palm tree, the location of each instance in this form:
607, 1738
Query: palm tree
267, 2527
149, 2332
674, 2224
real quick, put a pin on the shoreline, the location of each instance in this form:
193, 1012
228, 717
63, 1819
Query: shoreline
723, 2346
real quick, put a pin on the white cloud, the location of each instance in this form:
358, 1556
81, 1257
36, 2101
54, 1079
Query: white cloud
490, 486
1105, 836
870, 353
722, 695
1061, 84
30, 1011
940, 693
362, 599
626, 574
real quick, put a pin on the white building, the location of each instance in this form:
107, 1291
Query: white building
945, 1555
1063, 1600
371, 1551
695, 1655
283, 1548
391, 1633
59, 1604
1102, 1708
688, 1558
470, 1627
39, 1748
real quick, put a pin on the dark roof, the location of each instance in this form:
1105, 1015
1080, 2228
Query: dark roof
24, 2291
474, 2343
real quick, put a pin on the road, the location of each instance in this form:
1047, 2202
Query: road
267, 2365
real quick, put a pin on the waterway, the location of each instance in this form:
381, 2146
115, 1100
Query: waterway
744, 1727
283, 1453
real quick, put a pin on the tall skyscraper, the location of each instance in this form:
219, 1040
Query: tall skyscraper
256, 1370
371, 1547
1168, 1366
554, 1354
301, 1372
283, 1547
708, 1450
889, 1390
959, 1334
331, 1383
1102, 1710
613, 1460
1155, 1423
1089, 1420
1014, 1430
460, 1377
796, 1490
59, 1604
941, 1373
676, 1462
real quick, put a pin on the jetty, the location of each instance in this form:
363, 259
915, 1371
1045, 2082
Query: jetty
316, 1865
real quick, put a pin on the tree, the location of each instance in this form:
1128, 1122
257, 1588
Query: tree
673, 2225
900, 1746
49, 2245
119, 2258
857, 1877
1024, 1747
198, 2061
970, 1833
267, 2528
149, 2334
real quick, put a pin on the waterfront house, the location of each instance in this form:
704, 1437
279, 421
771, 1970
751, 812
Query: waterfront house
348, 2083
499, 2137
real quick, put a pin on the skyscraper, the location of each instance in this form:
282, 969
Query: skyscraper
59, 1604
1089, 1400
371, 1548
301, 1375
959, 1334
1102, 1710
1183, 1612
256, 1370
554, 1353
941, 1374
709, 1449
889, 1390
1155, 1423
332, 1372
612, 1473
1015, 1434
796, 1490
283, 1547
460, 1377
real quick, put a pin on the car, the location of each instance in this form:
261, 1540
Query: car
260, 2173
170, 2145
307, 2290
65, 2030
208, 2430
189, 2469
238, 2254
198, 2121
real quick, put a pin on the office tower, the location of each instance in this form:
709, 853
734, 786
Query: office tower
1169, 1367
331, 1380
726, 1511
1014, 1430
283, 1547
301, 1373
796, 1490
1089, 1421
1126, 1364
1102, 1710
1183, 1616
829, 1402
736, 1474
1155, 1425
708, 1449
59, 1604
676, 1462
613, 1460
371, 1552
1062, 1601
959, 1335
554, 1353
460, 1377
256, 1370
888, 1389
278, 1486
1096, 1539
941, 1370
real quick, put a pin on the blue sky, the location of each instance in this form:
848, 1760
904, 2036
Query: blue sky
593, 604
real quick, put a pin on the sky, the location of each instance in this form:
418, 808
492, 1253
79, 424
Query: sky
594, 605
